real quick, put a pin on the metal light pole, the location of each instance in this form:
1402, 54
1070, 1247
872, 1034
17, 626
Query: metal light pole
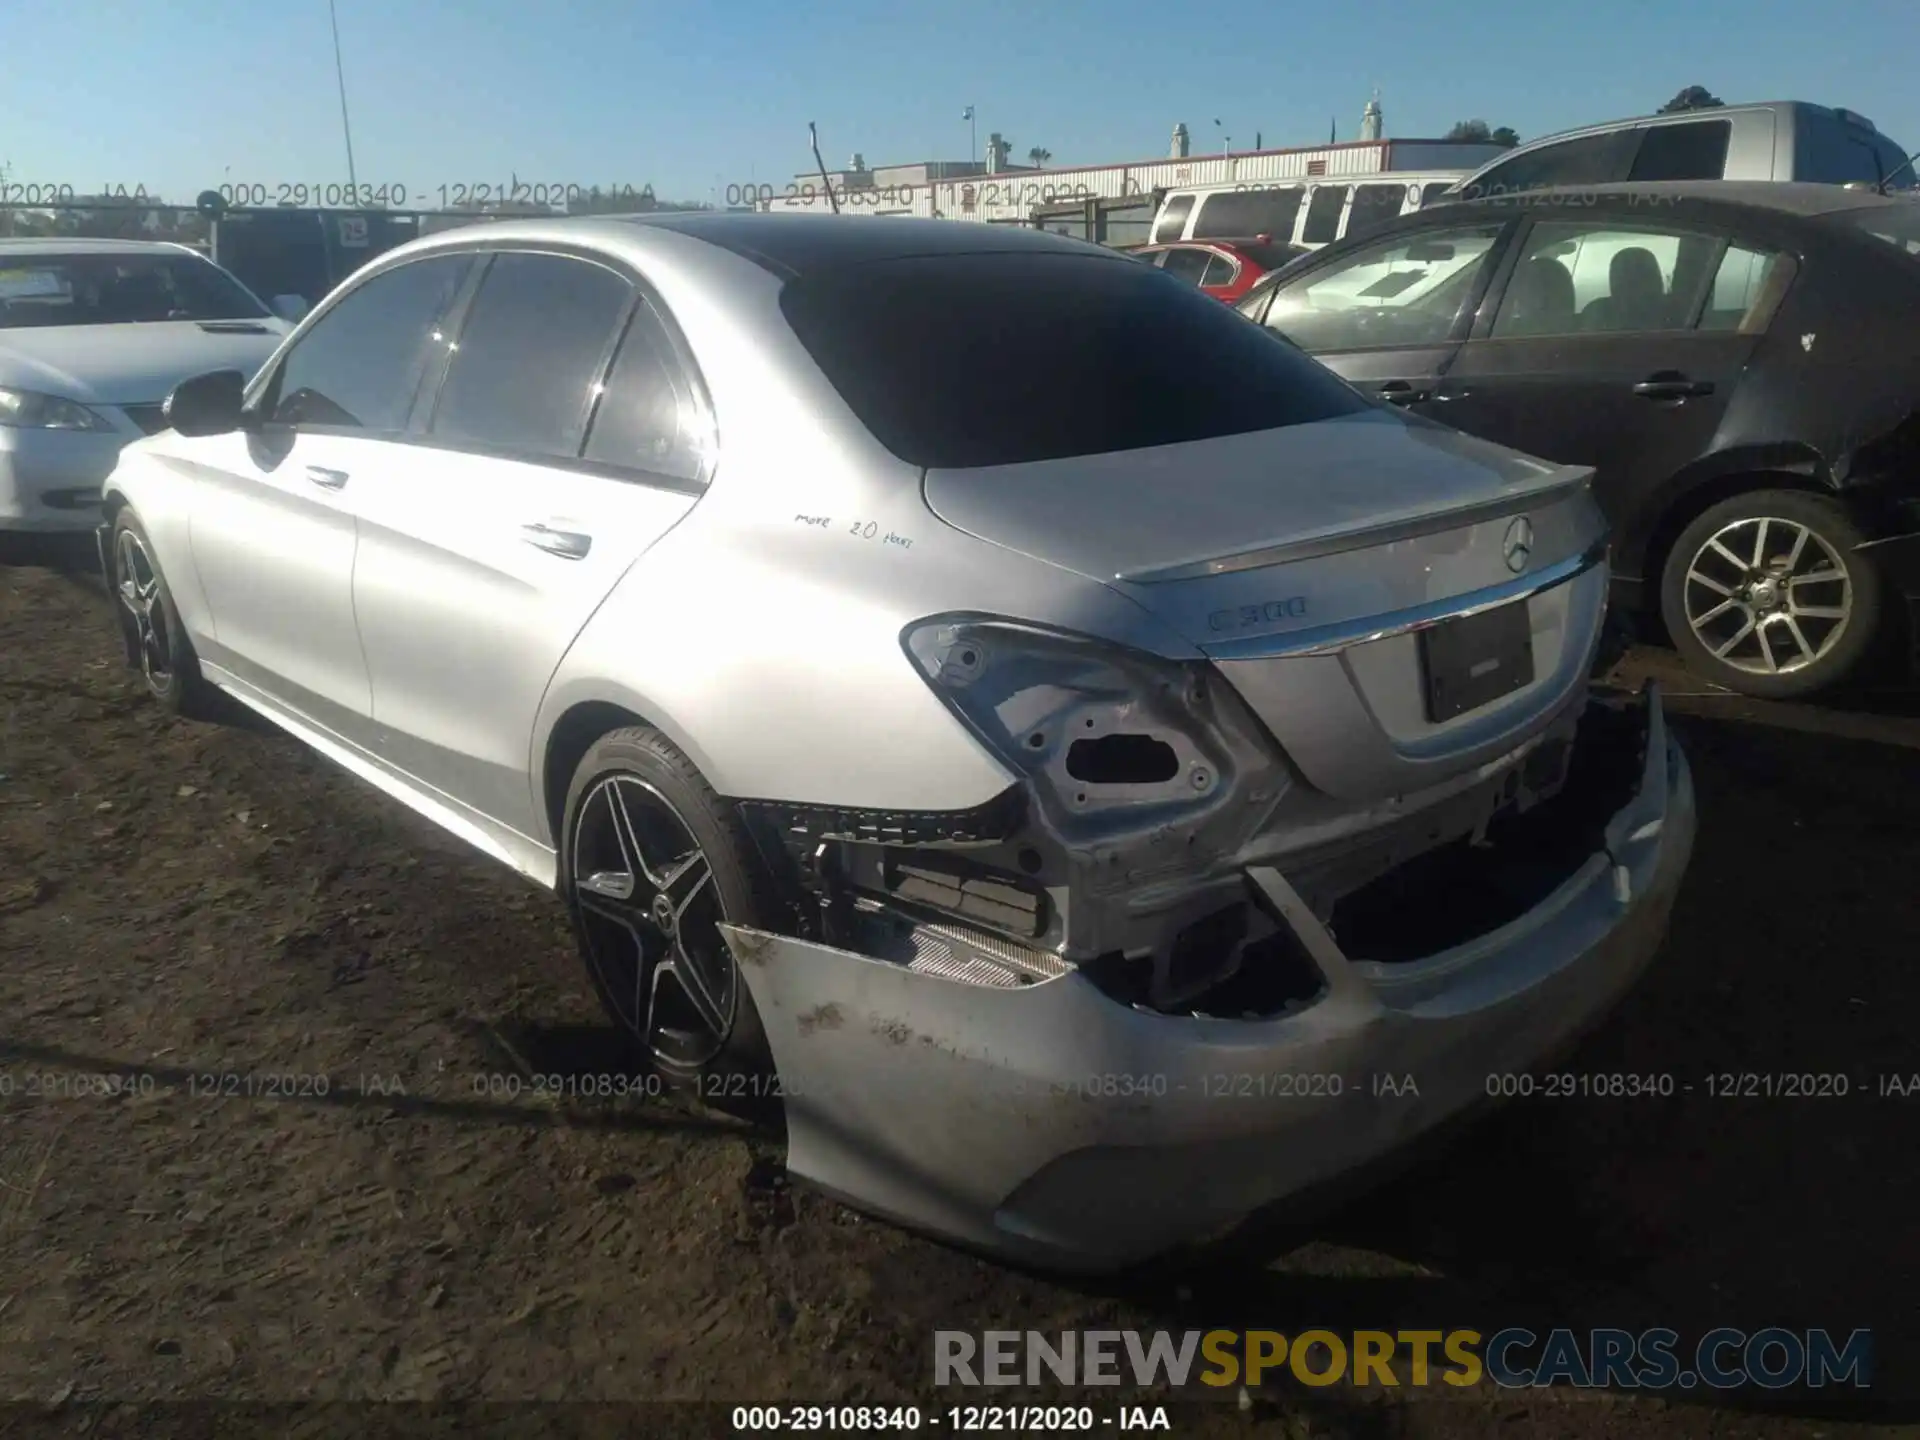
340, 74
973, 136
1226, 140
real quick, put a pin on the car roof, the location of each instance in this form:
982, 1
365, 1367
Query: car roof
1705, 112
78, 245
793, 245
1782, 197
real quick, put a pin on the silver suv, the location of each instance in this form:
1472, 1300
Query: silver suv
1775, 140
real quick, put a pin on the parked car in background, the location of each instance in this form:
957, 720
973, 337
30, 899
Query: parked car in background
1121, 707
93, 334
1224, 269
1307, 212
1737, 361
1784, 140
306, 252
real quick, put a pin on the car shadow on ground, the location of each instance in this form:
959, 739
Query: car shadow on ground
1726, 1202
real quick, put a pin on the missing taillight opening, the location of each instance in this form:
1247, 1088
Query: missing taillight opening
1122, 759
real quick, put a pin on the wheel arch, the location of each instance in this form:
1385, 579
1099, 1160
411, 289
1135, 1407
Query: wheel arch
1700, 488
577, 729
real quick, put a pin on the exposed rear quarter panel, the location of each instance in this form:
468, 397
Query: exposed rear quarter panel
763, 634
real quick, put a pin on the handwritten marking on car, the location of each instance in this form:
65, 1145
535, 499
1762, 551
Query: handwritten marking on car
870, 530
1239, 617
819, 521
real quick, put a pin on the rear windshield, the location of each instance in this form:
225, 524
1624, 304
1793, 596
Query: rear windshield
1898, 225
958, 361
108, 289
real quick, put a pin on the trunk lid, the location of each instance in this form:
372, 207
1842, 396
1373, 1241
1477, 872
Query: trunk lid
1145, 515
1308, 562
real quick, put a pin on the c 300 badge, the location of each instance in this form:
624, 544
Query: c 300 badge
1242, 617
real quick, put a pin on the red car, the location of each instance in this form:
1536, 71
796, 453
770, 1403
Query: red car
1225, 269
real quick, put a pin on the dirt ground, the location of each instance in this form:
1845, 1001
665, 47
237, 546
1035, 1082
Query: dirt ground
190, 902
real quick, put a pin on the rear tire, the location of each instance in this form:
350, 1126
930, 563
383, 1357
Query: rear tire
150, 624
1765, 593
646, 930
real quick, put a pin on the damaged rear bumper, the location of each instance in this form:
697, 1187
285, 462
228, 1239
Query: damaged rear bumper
1054, 1125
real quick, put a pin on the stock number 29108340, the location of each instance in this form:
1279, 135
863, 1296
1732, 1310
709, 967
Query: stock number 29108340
785, 1419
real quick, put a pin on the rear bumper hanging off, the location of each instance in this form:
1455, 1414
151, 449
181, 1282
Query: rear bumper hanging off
1055, 1125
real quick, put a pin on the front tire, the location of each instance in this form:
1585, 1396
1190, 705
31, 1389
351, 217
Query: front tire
150, 623
651, 860
1766, 594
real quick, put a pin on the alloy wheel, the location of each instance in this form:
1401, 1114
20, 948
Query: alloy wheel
649, 910
1768, 596
139, 595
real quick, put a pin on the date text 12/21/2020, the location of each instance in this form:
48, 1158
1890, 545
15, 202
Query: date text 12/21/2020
324, 195
964, 192
452, 195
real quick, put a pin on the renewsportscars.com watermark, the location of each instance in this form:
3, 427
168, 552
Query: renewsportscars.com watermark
1724, 1359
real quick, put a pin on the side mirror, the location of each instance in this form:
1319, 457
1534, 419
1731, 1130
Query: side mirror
291, 308
206, 404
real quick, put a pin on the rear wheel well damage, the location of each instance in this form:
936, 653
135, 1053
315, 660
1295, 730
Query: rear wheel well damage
1157, 903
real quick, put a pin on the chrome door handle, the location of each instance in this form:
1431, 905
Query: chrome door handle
329, 479
567, 544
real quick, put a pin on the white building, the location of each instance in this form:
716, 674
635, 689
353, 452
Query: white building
995, 191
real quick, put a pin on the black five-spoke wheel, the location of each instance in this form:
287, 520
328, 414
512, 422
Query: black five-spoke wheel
141, 597
655, 861
156, 639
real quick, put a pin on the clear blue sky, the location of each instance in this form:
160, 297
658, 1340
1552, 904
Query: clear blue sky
181, 94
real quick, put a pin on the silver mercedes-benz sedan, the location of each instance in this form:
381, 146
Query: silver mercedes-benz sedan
1101, 772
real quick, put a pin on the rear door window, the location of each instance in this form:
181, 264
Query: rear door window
530, 354
1219, 271
1046, 356
1187, 265
1243, 214
1373, 206
651, 415
1323, 215
1584, 160
1687, 150
1577, 279
1747, 288
1173, 219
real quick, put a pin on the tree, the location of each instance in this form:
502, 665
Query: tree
1694, 97
1039, 155
1477, 132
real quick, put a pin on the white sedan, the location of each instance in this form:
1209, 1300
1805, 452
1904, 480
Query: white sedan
93, 335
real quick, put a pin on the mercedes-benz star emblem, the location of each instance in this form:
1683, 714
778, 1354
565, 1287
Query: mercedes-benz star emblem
1518, 546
